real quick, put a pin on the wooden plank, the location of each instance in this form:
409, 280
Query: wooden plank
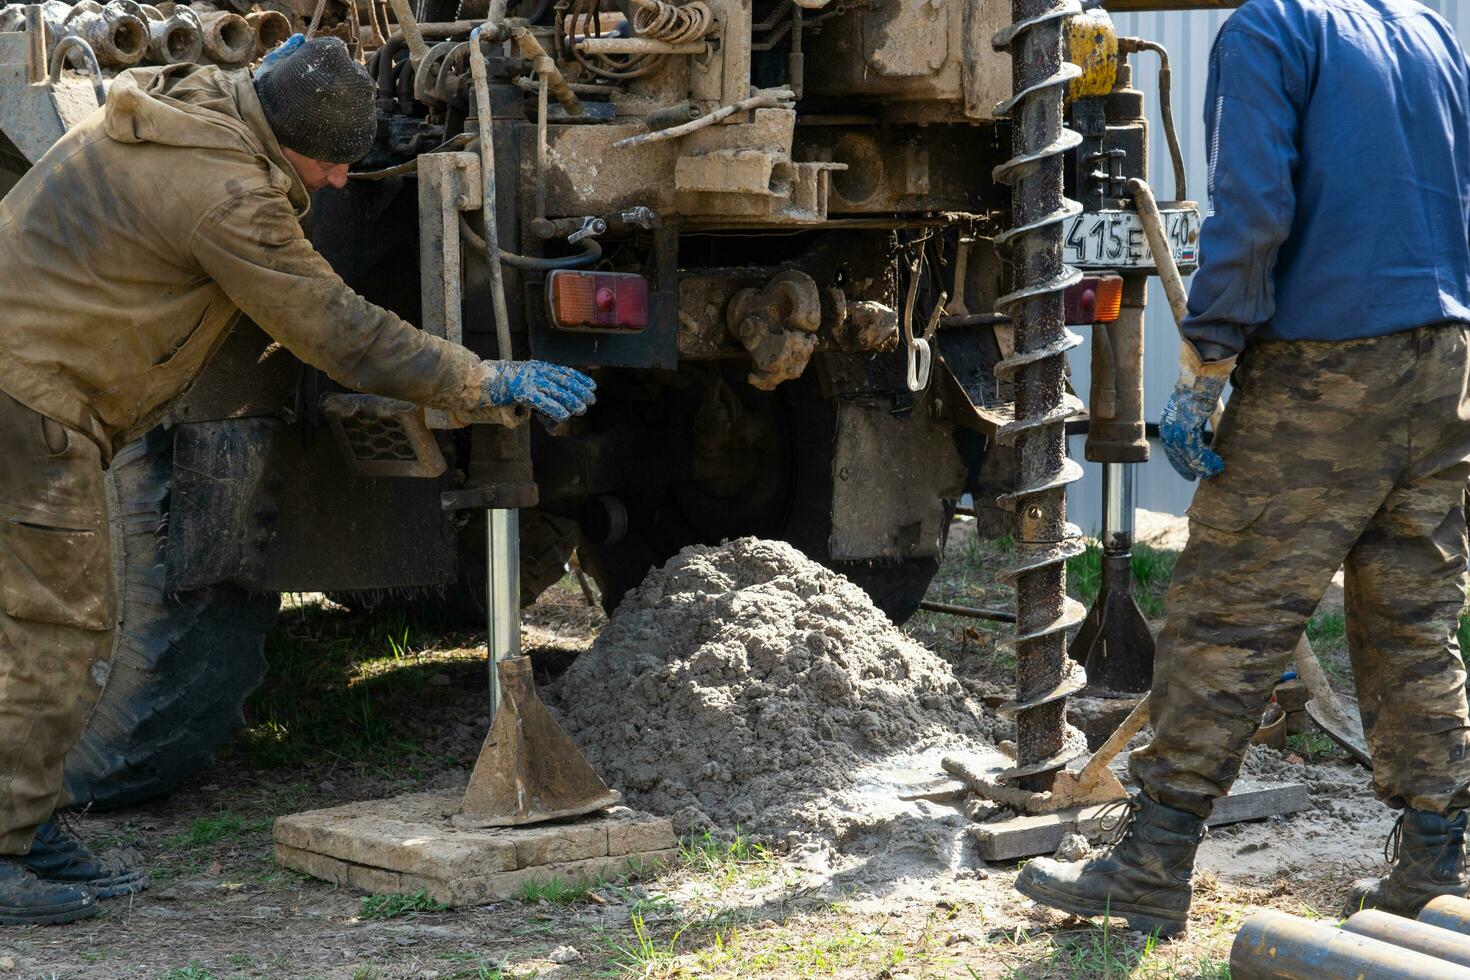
1030, 835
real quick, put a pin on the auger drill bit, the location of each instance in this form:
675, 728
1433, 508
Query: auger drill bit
1044, 539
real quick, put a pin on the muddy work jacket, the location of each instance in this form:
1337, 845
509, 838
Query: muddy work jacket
1339, 174
128, 250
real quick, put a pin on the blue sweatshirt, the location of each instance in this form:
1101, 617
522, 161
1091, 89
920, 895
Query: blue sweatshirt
1339, 175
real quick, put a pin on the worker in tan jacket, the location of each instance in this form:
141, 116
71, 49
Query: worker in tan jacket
126, 253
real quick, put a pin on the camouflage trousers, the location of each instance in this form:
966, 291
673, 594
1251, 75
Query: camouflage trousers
1351, 454
58, 611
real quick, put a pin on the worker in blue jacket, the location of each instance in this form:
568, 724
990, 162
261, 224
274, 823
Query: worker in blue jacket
1334, 293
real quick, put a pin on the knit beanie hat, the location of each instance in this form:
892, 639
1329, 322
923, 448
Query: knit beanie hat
318, 101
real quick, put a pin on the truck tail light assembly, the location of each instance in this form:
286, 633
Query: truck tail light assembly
1096, 299
607, 302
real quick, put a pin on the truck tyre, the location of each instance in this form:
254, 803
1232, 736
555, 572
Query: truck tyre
182, 665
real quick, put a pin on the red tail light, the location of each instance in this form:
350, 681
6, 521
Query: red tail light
1096, 299
610, 301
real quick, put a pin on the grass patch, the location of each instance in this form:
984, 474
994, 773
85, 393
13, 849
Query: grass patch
1100, 952
339, 688
1312, 745
556, 891
212, 830
397, 906
1328, 630
194, 971
1152, 569
725, 860
472, 966
644, 952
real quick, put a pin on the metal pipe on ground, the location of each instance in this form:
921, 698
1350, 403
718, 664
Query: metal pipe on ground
177, 39
968, 612
1447, 912
228, 39
1273, 945
1421, 937
271, 29
116, 34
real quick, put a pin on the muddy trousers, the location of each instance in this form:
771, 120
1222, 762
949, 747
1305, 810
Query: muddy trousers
1350, 454
58, 613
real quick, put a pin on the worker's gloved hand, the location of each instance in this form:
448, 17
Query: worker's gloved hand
1193, 401
554, 390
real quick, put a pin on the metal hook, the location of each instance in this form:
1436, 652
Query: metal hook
73, 43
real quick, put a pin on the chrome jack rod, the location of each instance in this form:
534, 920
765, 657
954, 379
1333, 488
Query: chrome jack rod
502, 592
1044, 538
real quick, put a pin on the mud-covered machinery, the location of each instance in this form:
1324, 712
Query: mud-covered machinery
812, 250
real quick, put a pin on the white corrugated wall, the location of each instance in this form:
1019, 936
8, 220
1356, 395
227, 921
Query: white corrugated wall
1188, 37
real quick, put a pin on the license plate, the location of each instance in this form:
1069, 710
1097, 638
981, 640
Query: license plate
1115, 239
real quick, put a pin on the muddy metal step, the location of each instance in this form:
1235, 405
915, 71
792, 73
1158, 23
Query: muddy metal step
1369, 944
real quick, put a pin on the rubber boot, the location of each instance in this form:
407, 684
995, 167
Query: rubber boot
1144, 877
26, 900
1427, 852
56, 856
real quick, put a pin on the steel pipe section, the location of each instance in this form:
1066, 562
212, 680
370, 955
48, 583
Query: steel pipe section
1448, 912
1273, 945
271, 29
174, 40
1396, 930
228, 38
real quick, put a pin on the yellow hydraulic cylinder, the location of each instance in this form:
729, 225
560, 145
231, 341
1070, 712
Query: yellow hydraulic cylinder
1092, 45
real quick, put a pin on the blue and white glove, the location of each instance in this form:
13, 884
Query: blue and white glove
1193, 401
280, 51
554, 390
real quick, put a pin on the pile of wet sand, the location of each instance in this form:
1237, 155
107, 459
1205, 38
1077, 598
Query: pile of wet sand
747, 686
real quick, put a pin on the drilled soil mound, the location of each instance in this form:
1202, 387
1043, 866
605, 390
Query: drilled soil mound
750, 686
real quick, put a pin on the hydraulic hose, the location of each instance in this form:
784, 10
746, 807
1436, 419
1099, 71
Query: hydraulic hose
1166, 107
590, 254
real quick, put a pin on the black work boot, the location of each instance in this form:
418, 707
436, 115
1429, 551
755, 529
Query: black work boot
1144, 877
1427, 852
26, 900
57, 856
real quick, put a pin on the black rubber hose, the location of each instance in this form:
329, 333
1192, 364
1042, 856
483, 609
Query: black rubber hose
1166, 108
385, 74
591, 253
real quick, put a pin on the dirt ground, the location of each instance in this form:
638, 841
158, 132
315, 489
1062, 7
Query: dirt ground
365, 705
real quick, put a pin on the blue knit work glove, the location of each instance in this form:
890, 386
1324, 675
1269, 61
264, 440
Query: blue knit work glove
554, 390
1182, 426
280, 51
